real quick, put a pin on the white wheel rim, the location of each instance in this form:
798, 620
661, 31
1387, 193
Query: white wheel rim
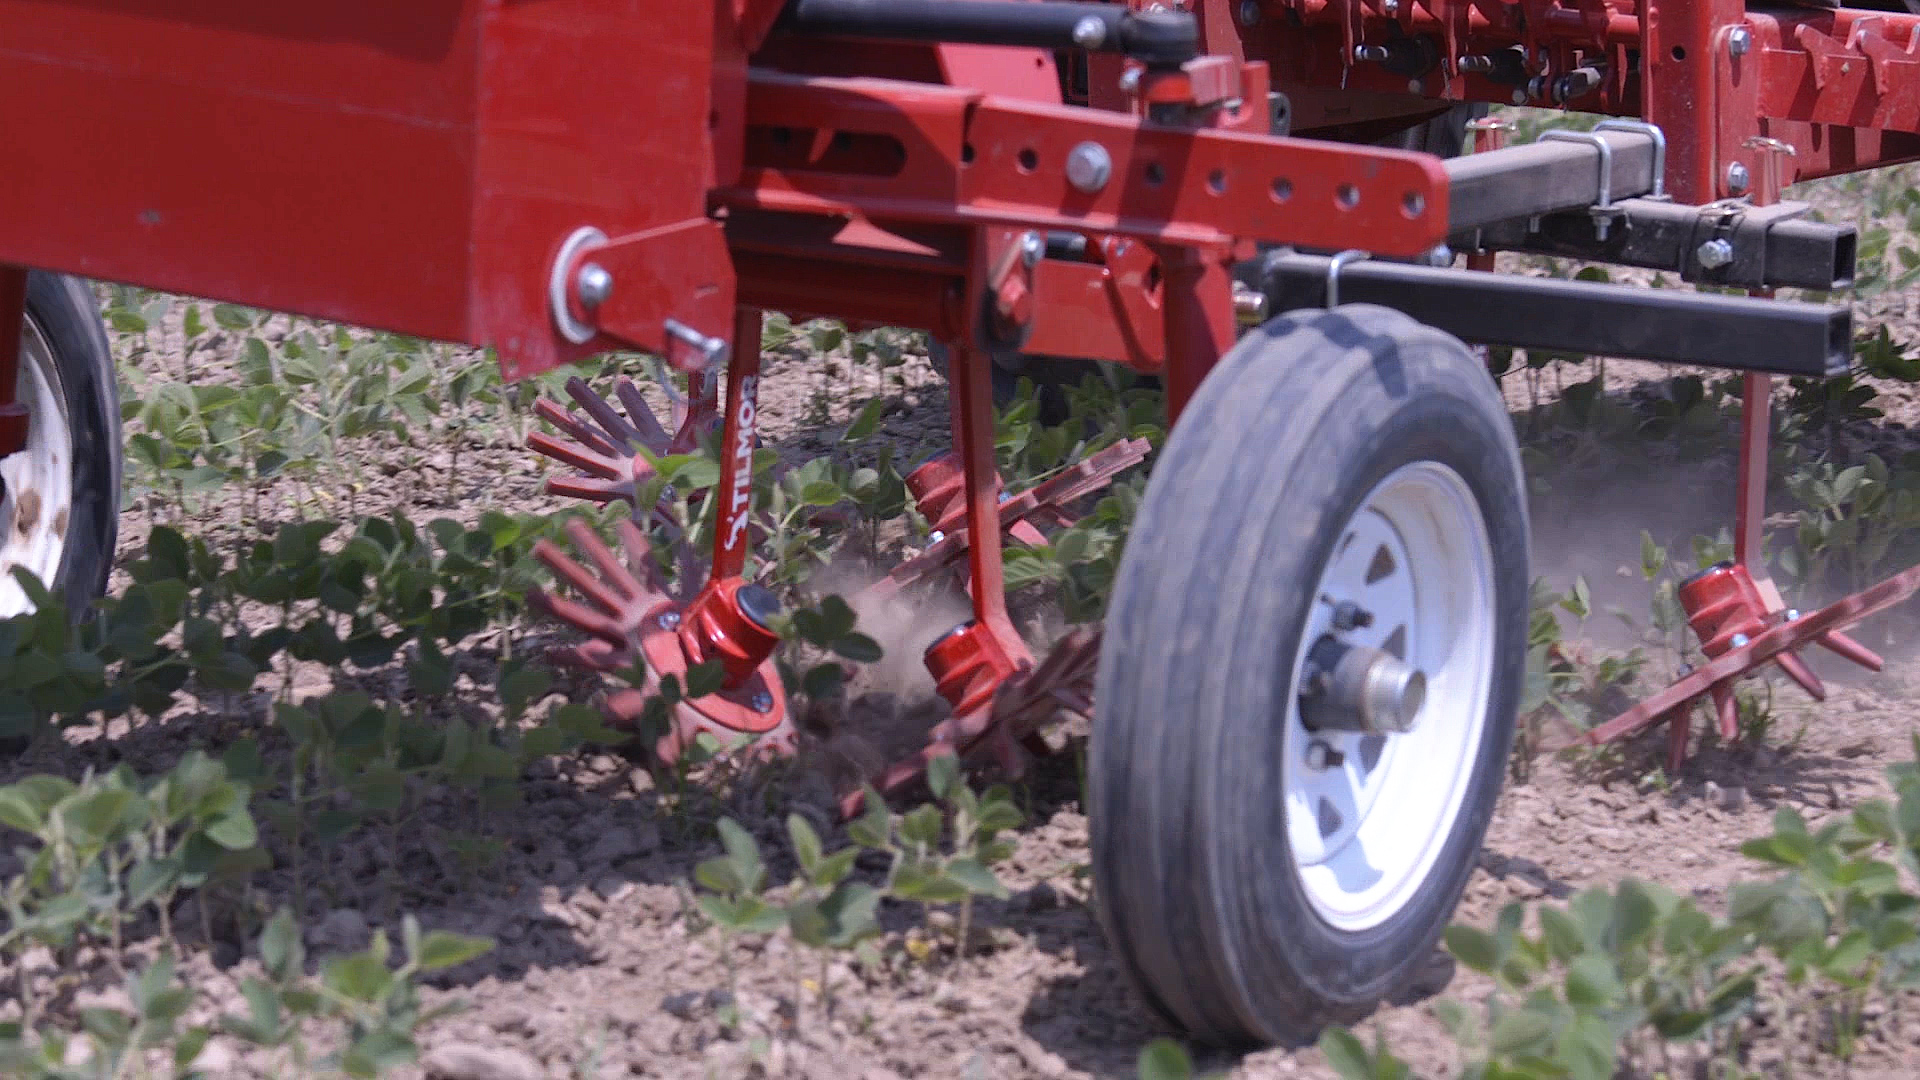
1365, 833
38, 505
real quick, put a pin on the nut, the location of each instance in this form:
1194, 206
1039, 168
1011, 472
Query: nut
1715, 253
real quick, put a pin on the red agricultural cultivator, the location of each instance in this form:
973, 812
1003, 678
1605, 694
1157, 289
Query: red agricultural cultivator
1307, 678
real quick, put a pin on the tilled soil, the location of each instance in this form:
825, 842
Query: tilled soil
598, 972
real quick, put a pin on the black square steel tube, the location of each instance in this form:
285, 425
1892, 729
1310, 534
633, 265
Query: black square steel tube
1667, 325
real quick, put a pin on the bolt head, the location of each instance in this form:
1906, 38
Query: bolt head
1032, 247
1130, 81
762, 701
1090, 32
1249, 12
593, 284
669, 620
1739, 641
1737, 179
1793, 614
1390, 8
935, 537
1319, 755
1089, 167
1715, 253
1739, 40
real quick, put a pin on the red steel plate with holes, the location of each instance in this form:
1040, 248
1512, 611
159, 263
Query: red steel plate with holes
408, 165
1202, 188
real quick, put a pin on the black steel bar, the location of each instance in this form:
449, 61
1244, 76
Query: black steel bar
1519, 182
1158, 37
1668, 325
1726, 244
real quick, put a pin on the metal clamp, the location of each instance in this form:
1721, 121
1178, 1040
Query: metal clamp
1351, 255
559, 285
1606, 159
1641, 127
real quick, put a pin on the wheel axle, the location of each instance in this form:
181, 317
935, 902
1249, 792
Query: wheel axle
1357, 688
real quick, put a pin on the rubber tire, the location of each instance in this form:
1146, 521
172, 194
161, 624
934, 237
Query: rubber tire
1194, 882
64, 311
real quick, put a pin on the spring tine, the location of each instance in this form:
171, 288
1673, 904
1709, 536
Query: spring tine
601, 594
600, 491
570, 422
1836, 642
586, 460
651, 433
1799, 672
604, 414
611, 569
617, 577
578, 615
1726, 710
1679, 726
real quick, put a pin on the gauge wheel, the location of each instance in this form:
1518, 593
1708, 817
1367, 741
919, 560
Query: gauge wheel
1312, 660
61, 504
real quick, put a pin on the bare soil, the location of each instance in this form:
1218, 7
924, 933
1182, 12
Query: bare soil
597, 975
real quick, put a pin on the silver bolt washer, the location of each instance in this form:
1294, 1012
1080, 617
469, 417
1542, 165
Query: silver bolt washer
575, 331
1715, 253
669, 620
762, 701
1739, 641
594, 283
1737, 179
1739, 40
1089, 167
1793, 614
1031, 248
1090, 32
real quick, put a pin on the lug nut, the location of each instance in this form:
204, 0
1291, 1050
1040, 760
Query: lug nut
1715, 253
1322, 756
1348, 615
1249, 305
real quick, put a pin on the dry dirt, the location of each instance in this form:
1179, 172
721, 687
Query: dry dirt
596, 973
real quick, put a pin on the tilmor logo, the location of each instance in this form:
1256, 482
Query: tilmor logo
742, 459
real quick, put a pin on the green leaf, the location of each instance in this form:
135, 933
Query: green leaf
361, 976
867, 422
943, 772
1345, 1052
976, 878
806, 843
1472, 947
1519, 1030
441, 949
858, 648
1164, 1059
280, 949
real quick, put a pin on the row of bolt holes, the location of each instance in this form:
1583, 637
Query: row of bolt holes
1346, 196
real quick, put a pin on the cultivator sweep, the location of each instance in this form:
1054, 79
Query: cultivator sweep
1307, 677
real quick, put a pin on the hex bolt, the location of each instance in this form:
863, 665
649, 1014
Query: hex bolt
1739, 40
1373, 54
935, 537
669, 620
762, 701
1737, 179
1738, 641
1322, 756
1130, 81
1390, 8
1031, 248
1249, 12
1474, 65
1089, 167
1715, 253
1793, 615
594, 284
1249, 305
1090, 32
1348, 615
